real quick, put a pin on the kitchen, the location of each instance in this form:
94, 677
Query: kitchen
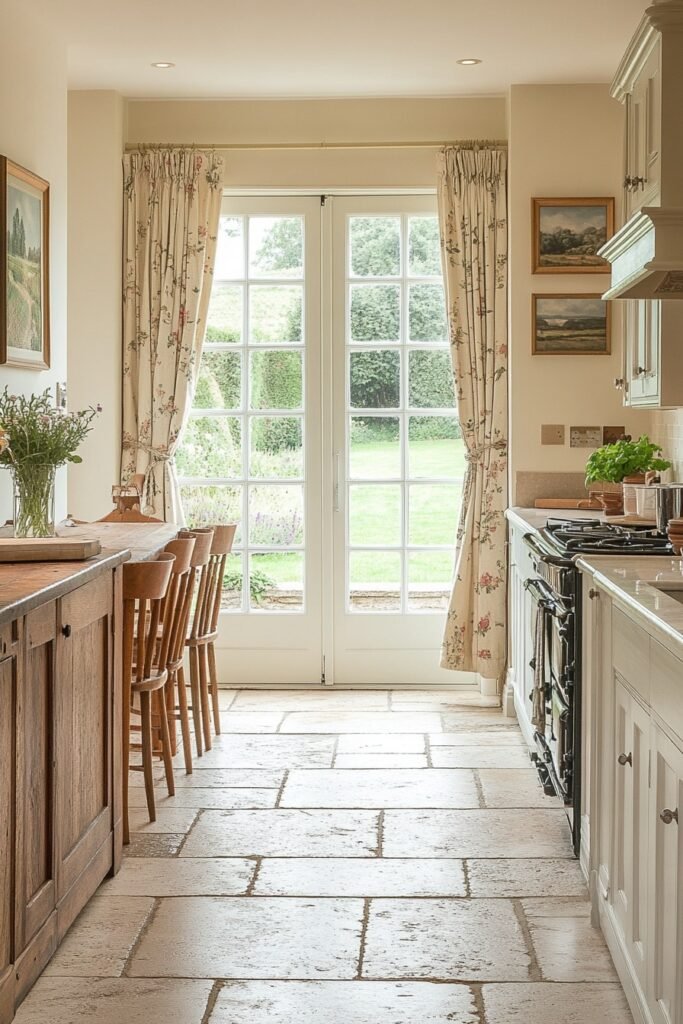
386, 831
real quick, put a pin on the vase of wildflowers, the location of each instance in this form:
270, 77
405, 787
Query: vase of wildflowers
35, 439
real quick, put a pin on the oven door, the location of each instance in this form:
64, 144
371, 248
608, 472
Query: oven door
554, 742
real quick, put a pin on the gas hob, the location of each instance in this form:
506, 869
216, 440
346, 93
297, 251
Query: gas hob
592, 536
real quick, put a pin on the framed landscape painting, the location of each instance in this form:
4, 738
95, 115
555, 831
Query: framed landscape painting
24, 263
570, 325
567, 234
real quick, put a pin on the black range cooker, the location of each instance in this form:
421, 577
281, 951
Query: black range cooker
556, 591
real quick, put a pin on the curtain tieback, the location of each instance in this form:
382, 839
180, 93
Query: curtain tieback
149, 487
476, 455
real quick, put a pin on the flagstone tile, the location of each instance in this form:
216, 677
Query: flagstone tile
213, 797
568, 947
503, 788
526, 876
231, 778
483, 736
251, 938
311, 700
250, 721
168, 819
561, 1004
284, 833
343, 1002
267, 751
380, 761
101, 938
489, 756
369, 877
326, 721
113, 1000
163, 845
476, 833
397, 787
181, 876
469, 940
377, 743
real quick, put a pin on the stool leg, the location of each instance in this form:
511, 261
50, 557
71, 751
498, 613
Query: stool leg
166, 742
125, 764
169, 695
204, 690
196, 699
184, 719
146, 737
213, 682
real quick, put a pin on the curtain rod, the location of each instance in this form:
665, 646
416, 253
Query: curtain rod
462, 143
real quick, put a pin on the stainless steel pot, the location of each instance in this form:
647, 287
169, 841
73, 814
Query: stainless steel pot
668, 504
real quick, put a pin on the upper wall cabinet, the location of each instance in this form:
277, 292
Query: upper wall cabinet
646, 254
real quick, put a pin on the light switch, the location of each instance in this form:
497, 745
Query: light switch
552, 433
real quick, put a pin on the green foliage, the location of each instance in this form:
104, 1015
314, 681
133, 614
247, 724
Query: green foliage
375, 312
33, 432
375, 379
376, 246
427, 313
613, 462
424, 252
431, 380
434, 428
281, 249
259, 583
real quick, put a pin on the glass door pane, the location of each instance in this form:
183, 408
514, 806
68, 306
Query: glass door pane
400, 453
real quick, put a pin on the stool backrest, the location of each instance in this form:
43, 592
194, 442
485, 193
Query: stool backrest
145, 585
223, 536
176, 609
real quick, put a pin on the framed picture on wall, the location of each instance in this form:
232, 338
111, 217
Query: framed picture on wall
570, 325
24, 268
567, 234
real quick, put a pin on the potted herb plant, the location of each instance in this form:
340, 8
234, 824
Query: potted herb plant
625, 461
35, 439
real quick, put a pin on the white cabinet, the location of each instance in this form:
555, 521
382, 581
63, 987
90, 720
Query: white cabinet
519, 683
652, 340
665, 980
643, 104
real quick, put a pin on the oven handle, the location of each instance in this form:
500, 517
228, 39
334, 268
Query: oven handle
531, 541
545, 596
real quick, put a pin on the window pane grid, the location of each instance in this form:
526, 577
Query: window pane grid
404, 590
270, 503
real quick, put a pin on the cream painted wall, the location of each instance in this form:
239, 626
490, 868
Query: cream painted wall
95, 143
564, 141
283, 122
33, 133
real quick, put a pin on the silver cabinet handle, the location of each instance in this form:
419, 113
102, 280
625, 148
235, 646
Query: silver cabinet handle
625, 759
337, 481
668, 816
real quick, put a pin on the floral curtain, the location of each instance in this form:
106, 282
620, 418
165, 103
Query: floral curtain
473, 224
172, 200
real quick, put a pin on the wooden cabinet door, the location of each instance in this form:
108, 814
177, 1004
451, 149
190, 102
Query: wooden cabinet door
665, 979
83, 724
10, 665
35, 759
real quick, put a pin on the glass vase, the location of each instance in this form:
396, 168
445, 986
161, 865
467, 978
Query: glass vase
34, 500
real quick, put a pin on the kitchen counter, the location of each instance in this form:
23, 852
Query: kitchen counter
535, 518
634, 581
26, 585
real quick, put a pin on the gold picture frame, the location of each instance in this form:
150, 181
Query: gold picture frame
556, 328
24, 268
568, 232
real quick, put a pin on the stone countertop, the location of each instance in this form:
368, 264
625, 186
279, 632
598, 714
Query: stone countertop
534, 518
26, 585
634, 582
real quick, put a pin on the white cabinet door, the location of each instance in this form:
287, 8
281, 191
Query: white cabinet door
665, 979
643, 133
630, 823
642, 340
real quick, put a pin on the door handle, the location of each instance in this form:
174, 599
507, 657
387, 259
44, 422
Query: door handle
668, 816
625, 759
336, 501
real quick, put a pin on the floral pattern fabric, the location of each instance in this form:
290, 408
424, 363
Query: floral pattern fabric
473, 225
172, 200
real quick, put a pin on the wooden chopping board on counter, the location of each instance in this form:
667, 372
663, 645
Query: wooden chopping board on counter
581, 503
47, 549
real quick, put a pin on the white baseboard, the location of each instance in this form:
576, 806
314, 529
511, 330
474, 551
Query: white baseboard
508, 698
629, 982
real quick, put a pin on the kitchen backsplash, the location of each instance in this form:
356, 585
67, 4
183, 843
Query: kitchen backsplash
667, 430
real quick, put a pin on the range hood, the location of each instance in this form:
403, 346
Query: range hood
647, 256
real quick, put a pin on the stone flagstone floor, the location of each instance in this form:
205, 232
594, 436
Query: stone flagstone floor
344, 857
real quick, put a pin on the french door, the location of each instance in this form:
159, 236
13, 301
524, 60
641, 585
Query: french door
324, 422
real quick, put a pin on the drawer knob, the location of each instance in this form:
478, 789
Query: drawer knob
592, 593
625, 759
66, 631
668, 816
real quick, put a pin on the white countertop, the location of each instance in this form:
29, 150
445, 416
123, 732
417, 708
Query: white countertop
535, 518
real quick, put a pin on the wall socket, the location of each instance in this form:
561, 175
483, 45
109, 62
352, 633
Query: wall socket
552, 433
585, 437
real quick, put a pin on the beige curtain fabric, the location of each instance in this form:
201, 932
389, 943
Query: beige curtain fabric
473, 223
172, 201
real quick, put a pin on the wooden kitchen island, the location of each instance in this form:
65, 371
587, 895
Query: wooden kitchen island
60, 748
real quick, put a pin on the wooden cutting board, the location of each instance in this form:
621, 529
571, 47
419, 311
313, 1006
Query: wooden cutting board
584, 503
47, 549
629, 521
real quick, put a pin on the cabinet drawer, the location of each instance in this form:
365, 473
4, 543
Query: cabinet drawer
631, 653
666, 687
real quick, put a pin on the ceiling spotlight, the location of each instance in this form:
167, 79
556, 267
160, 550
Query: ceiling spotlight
163, 64
468, 61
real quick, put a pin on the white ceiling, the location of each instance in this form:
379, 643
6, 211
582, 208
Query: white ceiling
328, 48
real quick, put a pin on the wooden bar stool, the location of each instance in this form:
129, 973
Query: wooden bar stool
204, 625
223, 537
201, 555
178, 603
145, 585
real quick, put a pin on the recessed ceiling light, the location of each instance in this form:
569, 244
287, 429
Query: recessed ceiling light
163, 64
467, 61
